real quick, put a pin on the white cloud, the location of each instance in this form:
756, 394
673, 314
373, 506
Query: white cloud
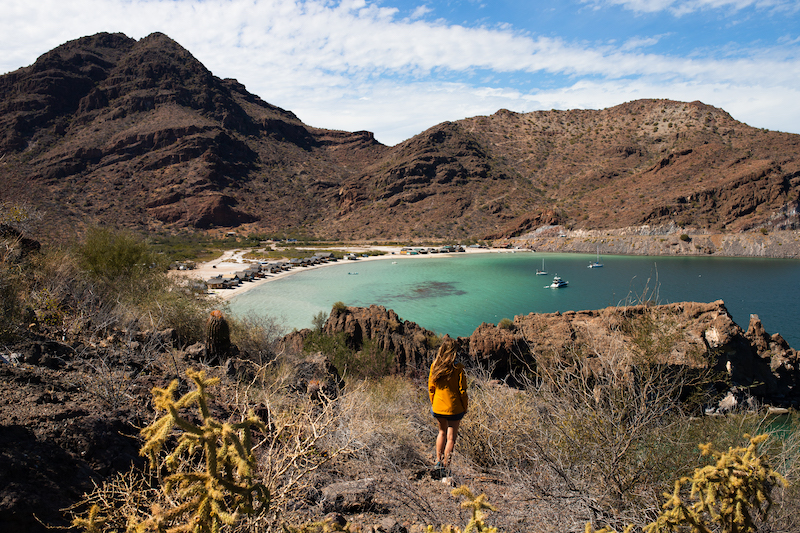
639, 42
420, 12
684, 7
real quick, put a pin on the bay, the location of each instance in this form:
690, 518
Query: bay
455, 293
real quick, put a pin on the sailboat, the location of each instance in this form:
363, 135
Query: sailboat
596, 263
541, 272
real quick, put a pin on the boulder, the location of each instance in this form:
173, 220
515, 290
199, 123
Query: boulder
349, 496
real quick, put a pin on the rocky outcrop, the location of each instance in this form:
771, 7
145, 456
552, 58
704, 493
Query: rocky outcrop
701, 335
406, 340
691, 334
409, 343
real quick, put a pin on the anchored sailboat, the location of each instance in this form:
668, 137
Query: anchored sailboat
596, 263
543, 271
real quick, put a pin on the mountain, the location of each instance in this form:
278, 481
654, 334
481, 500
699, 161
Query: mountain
110, 130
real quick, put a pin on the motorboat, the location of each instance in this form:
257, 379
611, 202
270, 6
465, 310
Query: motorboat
558, 283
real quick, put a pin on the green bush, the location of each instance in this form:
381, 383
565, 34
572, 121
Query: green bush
116, 256
370, 361
335, 347
433, 340
319, 321
132, 279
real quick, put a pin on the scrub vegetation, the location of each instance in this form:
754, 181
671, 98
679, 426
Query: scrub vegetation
257, 442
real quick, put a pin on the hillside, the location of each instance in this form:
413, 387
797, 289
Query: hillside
108, 129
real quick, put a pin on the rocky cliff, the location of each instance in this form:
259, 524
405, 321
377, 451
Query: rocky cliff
688, 334
660, 240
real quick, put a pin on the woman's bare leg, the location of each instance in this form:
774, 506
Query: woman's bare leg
452, 435
441, 439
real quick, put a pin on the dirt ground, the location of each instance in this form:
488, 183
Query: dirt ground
70, 418
58, 437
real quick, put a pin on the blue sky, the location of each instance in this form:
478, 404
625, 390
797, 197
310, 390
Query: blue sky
398, 67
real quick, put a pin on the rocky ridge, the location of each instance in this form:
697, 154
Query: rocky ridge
659, 241
110, 130
702, 335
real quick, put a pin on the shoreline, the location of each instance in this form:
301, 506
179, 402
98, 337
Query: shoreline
232, 261
581, 241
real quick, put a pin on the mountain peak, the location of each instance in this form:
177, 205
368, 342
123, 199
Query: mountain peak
107, 129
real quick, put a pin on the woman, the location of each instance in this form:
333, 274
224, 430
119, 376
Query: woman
447, 386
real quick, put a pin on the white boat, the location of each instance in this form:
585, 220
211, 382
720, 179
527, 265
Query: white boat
558, 283
596, 263
541, 272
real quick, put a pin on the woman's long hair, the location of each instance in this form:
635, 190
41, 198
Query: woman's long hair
443, 363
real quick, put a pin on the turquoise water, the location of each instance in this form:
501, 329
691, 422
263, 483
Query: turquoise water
454, 294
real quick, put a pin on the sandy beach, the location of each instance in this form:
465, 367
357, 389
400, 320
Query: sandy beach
233, 261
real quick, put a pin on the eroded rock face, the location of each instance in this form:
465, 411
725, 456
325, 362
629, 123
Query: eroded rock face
407, 340
699, 335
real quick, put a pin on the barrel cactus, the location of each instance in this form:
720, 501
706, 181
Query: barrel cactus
218, 336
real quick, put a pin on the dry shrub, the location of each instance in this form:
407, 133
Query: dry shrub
497, 431
598, 431
307, 429
126, 497
255, 336
388, 415
11, 290
299, 436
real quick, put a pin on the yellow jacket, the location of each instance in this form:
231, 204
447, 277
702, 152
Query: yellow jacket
449, 395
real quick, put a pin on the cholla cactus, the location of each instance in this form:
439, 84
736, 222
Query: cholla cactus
218, 336
729, 494
478, 505
224, 487
210, 476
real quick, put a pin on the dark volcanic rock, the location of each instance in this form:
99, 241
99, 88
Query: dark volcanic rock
699, 335
406, 340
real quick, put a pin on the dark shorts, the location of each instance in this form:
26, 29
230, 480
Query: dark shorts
459, 416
